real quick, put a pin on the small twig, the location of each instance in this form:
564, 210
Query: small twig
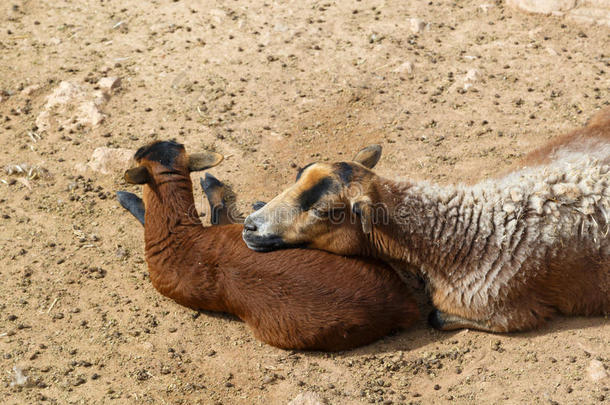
117, 25
383, 66
52, 305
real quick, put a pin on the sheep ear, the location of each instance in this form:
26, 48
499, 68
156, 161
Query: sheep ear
205, 160
369, 156
364, 210
138, 175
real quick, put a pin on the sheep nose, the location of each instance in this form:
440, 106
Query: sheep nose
249, 225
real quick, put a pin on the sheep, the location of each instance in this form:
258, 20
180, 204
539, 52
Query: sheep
291, 299
501, 255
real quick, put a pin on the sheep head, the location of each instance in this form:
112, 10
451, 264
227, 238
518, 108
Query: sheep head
328, 207
168, 157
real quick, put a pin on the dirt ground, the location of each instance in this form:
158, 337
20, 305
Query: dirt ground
457, 94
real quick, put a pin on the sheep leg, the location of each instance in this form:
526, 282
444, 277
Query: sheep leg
443, 321
132, 203
214, 191
221, 212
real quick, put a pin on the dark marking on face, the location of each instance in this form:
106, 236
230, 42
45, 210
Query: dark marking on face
312, 195
345, 172
301, 170
164, 152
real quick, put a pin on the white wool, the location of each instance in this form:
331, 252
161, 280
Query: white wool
500, 224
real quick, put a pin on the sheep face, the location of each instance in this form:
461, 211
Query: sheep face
163, 158
328, 207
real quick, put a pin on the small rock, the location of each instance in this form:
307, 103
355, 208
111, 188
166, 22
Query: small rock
107, 160
306, 398
417, 25
79, 381
404, 67
30, 89
543, 6
142, 375
472, 75
90, 114
19, 378
486, 7
72, 106
596, 370
109, 83
269, 379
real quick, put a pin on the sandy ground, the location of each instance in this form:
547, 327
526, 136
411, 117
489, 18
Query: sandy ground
271, 85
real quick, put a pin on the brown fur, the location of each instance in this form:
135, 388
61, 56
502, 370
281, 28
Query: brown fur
297, 299
574, 280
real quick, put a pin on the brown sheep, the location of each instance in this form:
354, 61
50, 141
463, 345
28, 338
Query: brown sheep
292, 299
501, 255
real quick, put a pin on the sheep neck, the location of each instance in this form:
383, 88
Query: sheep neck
476, 239
177, 246
435, 229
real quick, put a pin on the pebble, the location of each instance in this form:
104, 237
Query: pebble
306, 398
486, 7
417, 25
79, 381
596, 370
405, 67
269, 379
109, 83
30, 89
543, 6
472, 75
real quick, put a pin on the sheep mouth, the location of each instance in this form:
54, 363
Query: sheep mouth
265, 243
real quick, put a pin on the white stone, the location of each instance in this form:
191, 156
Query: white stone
19, 379
543, 6
64, 93
596, 13
596, 370
486, 7
109, 83
472, 75
404, 67
30, 89
89, 114
417, 25
108, 160
306, 398
70, 104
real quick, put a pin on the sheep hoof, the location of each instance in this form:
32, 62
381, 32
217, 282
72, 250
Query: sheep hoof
133, 204
443, 321
435, 319
258, 205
